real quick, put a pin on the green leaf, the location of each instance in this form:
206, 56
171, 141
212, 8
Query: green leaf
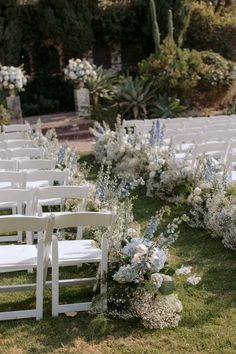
167, 287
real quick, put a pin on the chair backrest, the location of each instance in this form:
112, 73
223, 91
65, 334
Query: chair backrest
15, 179
15, 135
15, 128
8, 165
48, 175
20, 143
25, 152
3, 145
216, 149
19, 197
94, 219
184, 138
215, 135
36, 164
4, 154
64, 192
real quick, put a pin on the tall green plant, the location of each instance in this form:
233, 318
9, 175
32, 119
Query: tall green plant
170, 24
155, 27
134, 95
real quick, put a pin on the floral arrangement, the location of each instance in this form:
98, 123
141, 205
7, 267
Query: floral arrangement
168, 178
140, 282
12, 78
79, 70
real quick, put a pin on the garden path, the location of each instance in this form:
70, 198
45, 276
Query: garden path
69, 128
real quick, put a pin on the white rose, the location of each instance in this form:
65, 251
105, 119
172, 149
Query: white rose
197, 191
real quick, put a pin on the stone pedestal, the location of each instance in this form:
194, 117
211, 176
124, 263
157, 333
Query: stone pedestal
14, 107
82, 101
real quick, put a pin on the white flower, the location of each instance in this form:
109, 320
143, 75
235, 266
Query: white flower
136, 245
183, 270
126, 274
156, 280
194, 280
197, 191
157, 260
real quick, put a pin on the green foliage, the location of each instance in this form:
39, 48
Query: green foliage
212, 31
97, 327
101, 86
10, 33
181, 13
134, 95
167, 107
167, 287
4, 116
219, 72
170, 24
155, 26
173, 70
68, 23
232, 109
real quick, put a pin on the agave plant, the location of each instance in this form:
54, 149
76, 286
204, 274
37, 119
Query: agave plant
101, 86
167, 107
134, 95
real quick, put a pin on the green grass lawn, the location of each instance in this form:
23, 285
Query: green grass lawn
209, 315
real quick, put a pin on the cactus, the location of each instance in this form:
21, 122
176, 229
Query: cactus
170, 25
156, 32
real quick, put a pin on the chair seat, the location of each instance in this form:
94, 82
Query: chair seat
52, 201
233, 176
4, 185
17, 256
78, 251
37, 184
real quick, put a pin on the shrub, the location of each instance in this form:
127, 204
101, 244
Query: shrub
134, 96
167, 107
212, 31
179, 72
173, 70
219, 72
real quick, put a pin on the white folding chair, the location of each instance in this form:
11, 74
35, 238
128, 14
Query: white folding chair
15, 128
69, 253
4, 154
36, 164
12, 179
57, 195
45, 178
8, 165
15, 135
15, 258
20, 143
217, 150
25, 153
17, 200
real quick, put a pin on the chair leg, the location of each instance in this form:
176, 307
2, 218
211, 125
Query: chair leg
39, 283
55, 280
79, 234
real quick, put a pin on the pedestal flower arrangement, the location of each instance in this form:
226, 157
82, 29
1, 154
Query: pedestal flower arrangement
13, 80
79, 71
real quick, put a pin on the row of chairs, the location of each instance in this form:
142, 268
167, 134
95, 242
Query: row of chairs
49, 252
27, 164
32, 178
21, 153
32, 201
